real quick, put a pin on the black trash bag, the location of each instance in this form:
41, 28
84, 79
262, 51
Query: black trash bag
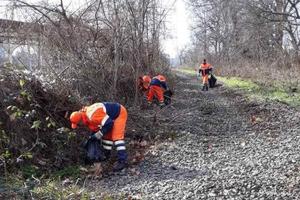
212, 81
167, 97
94, 151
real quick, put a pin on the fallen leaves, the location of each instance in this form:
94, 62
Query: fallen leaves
139, 156
97, 169
139, 144
83, 169
144, 143
255, 120
95, 172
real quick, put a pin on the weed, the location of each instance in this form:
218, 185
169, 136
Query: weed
55, 190
71, 172
30, 170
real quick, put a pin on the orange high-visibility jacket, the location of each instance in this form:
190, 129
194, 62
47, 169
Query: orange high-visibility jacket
160, 81
205, 68
101, 116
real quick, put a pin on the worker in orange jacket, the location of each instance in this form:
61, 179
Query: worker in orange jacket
205, 70
156, 89
107, 121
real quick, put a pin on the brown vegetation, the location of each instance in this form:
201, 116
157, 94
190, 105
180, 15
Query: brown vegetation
252, 39
92, 54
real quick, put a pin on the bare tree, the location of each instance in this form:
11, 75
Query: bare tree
104, 46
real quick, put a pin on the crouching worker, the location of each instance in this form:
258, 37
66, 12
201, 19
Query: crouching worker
156, 89
107, 122
205, 70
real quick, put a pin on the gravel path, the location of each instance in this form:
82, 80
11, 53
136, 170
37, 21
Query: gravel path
227, 147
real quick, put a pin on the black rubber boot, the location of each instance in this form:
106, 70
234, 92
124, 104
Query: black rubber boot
120, 166
122, 160
206, 87
107, 154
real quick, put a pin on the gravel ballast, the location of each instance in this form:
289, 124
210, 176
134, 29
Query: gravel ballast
227, 147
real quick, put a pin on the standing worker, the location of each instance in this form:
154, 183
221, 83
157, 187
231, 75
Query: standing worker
157, 88
106, 121
205, 70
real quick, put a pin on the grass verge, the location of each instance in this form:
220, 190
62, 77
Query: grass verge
186, 70
30, 183
286, 94
289, 96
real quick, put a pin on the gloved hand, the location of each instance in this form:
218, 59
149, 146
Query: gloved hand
98, 135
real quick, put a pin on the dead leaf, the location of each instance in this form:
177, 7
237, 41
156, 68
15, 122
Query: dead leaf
97, 169
209, 147
137, 154
83, 169
258, 119
43, 163
143, 143
253, 119
67, 182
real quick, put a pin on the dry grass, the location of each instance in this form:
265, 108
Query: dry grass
276, 73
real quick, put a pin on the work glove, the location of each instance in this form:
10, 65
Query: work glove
98, 135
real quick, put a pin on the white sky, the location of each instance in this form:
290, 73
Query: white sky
179, 31
177, 23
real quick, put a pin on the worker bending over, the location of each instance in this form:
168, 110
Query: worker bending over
107, 122
156, 89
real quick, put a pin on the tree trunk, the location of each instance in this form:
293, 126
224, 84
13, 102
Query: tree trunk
116, 36
280, 24
116, 63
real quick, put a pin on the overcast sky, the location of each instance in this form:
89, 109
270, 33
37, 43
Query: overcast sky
177, 23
